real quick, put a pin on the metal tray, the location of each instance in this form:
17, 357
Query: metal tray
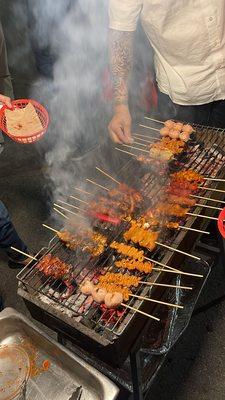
66, 373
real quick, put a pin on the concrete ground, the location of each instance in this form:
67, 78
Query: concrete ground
195, 368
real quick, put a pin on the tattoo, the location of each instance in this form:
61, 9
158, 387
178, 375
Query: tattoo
121, 60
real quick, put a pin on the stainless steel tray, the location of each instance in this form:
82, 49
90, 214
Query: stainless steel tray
67, 371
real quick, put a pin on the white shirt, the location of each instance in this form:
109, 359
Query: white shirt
188, 38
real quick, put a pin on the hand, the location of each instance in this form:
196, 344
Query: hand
5, 100
120, 125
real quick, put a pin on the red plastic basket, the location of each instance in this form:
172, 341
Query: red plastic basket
41, 112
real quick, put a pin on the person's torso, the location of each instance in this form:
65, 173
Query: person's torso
188, 37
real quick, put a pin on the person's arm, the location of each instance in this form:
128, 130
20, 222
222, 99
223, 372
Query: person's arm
121, 61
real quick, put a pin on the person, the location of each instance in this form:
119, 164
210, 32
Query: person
188, 40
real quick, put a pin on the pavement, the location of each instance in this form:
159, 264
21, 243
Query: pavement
194, 370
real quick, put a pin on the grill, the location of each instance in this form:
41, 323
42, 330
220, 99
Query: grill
84, 323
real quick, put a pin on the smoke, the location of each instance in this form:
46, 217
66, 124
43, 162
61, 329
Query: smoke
69, 40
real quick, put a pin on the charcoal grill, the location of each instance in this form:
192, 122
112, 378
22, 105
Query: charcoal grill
112, 339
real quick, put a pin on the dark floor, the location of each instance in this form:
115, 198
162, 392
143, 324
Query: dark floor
195, 368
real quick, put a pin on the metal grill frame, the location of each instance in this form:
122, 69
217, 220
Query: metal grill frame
178, 237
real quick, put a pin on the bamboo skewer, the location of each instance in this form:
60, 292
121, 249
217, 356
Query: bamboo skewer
83, 191
143, 140
140, 312
166, 285
202, 216
69, 211
178, 251
109, 176
139, 136
76, 198
71, 205
206, 206
124, 151
207, 198
97, 184
193, 229
156, 301
135, 148
24, 254
51, 229
60, 213
214, 179
149, 127
211, 189
171, 269
155, 120
141, 144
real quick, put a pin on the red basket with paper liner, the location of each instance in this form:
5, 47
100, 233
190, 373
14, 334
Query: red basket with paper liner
30, 137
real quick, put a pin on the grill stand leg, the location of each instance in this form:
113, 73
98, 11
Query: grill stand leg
135, 365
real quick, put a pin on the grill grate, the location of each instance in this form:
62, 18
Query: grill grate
206, 157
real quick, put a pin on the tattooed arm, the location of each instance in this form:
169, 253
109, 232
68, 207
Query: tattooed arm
121, 60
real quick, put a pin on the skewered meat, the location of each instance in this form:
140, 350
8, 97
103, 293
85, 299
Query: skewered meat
187, 175
90, 241
142, 236
54, 267
120, 279
164, 131
185, 136
87, 287
182, 200
171, 209
169, 124
113, 300
128, 251
113, 288
99, 294
131, 264
187, 128
174, 134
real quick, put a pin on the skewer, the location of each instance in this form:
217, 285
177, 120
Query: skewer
149, 127
109, 176
193, 229
124, 151
135, 148
207, 198
140, 136
178, 251
211, 189
214, 179
71, 205
170, 269
166, 285
140, 312
143, 140
155, 120
24, 254
140, 144
51, 229
76, 198
97, 184
69, 211
157, 301
83, 191
202, 216
178, 272
60, 212
206, 206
